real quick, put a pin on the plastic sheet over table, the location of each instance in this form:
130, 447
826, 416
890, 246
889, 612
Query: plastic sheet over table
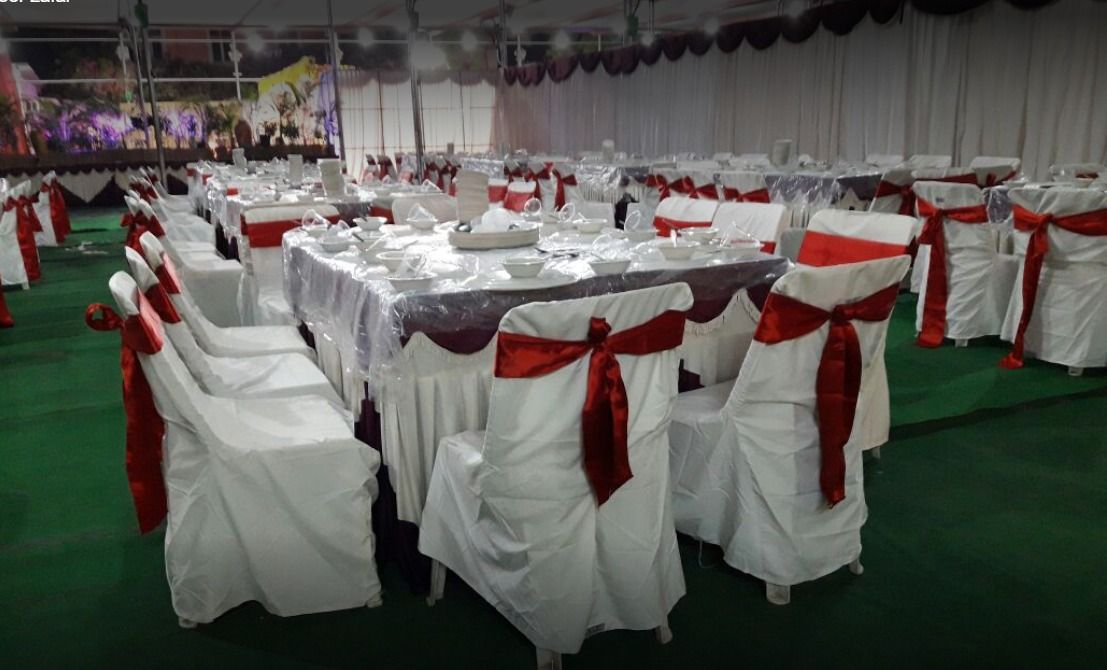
352, 302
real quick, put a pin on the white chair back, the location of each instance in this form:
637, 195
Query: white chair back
676, 212
761, 221
884, 161
837, 236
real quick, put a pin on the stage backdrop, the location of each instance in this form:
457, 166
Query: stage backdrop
993, 81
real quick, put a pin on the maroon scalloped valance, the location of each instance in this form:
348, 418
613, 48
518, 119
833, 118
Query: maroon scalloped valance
839, 18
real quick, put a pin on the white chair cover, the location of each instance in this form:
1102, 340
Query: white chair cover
269, 500
46, 237
224, 341
511, 510
261, 299
676, 212
1069, 323
891, 202
979, 280
930, 161
761, 221
884, 160
746, 457
992, 170
737, 185
272, 376
1076, 170
12, 270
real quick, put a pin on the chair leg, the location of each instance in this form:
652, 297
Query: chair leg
856, 568
187, 624
548, 659
437, 583
663, 633
1076, 372
961, 344
777, 594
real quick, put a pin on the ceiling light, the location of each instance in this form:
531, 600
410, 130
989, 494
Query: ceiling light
562, 41
468, 41
711, 26
648, 38
365, 37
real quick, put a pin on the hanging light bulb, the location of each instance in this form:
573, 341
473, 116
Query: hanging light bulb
254, 42
711, 26
648, 38
469, 41
428, 56
562, 41
520, 52
365, 37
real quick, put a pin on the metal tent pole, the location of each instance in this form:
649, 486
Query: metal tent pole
416, 99
154, 104
138, 75
336, 62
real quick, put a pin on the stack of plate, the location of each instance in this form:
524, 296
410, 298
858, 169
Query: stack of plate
330, 173
472, 195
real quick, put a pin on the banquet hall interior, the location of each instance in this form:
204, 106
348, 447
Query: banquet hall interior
553, 333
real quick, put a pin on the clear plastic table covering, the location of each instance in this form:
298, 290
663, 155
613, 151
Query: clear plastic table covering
353, 303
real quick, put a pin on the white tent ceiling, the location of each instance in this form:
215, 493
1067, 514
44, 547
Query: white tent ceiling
524, 14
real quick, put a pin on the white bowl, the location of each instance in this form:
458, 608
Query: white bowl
681, 251
370, 223
316, 231
334, 246
422, 224
391, 259
741, 249
590, 226
523, 267
637, 236
609, 266
700, 234
420, 282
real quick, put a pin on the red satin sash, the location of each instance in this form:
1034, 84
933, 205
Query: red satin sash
1087, 223
562, 182
143, 334
992, 180
59, 213
263, 234
906, 195
665, 225
756, 195
167, 275
838, 380
6, 320
937, 281
658, 182
605, 413
684, 186
140, 223
25, 235
768, 247
822, 249
706, 192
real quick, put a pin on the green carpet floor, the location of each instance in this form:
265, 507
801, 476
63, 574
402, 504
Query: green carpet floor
986, 544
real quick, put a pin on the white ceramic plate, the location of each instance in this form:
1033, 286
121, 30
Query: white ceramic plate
501, 281
506, 240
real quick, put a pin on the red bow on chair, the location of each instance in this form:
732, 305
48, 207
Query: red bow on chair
605, 413
937, 282
1087, 223
59, 213
756, 195
136, 225
838, 380
706, 192
906, 196
684, 186
141, 334
660, 183
562, 182
26, 223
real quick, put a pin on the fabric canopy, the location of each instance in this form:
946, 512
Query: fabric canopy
996, 81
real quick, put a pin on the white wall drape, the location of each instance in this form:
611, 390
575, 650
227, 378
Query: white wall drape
994, 81
377, 118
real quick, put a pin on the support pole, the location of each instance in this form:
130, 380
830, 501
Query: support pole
503, 33
336, 62
416, 99
139, 78
154, 104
